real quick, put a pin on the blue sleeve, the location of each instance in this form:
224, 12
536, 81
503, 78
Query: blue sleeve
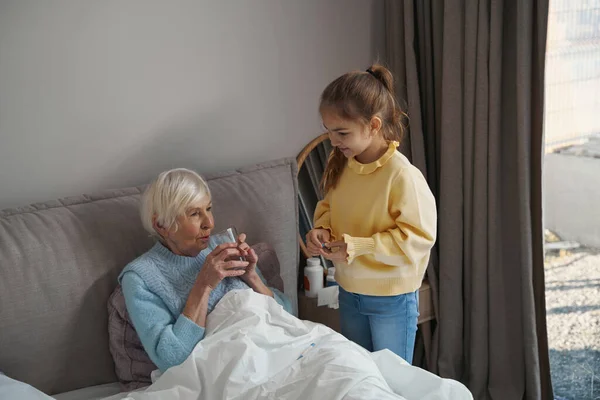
277, 295
168, 341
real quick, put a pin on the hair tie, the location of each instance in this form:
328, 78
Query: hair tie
370, 71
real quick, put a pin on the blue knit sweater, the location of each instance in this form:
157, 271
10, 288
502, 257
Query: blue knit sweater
156, 286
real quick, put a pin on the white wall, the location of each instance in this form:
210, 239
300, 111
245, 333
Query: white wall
106, 94
571, 193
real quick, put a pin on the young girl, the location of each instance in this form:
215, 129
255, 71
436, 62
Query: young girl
377, 222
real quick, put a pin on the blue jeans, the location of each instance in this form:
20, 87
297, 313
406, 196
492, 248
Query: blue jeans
381, 322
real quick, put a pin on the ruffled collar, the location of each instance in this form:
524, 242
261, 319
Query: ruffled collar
365, 169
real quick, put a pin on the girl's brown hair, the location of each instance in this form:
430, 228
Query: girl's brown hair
361, 96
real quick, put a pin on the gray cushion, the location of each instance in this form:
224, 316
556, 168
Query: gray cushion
269, 266
133, 366
59, 262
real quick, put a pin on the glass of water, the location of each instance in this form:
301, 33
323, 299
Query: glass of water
229, 235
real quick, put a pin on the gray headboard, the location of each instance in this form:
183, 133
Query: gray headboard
59, 262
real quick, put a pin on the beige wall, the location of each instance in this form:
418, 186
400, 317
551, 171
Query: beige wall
105, 94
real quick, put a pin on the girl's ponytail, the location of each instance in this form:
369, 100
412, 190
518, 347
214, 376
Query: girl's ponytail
335, 165
398, 117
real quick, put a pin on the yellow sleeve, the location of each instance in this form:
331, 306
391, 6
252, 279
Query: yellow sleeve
322, 218
413, 205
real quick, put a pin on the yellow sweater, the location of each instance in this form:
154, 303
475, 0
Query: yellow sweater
386, 214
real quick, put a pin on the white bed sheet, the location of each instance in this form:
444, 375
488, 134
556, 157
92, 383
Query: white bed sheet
91, 393
253, 349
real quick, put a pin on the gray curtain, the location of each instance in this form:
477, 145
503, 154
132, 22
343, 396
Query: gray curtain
472, 74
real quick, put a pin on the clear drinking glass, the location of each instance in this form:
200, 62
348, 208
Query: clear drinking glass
229, 235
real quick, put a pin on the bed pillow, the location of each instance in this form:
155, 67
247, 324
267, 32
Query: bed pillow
132, 364
268, 264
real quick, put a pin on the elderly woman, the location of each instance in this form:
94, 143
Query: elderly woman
170, 289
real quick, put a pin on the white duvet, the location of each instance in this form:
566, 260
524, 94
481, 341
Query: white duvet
253, 349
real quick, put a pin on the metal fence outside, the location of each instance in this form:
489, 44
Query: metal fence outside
572, 95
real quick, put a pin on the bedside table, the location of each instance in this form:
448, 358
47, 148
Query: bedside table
308, 309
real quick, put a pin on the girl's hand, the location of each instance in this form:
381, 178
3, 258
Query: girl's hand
222, 262
336, 251
250, 256
315, 239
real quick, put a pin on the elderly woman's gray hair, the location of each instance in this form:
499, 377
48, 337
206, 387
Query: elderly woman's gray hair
169, 196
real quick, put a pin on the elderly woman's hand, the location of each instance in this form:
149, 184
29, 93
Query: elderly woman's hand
250, 255
222, 262
251, 277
